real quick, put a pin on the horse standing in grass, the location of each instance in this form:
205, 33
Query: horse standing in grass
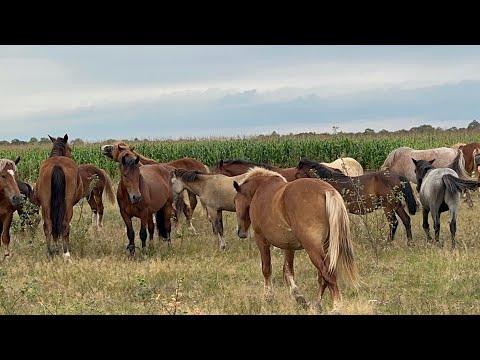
96, 182
366, 193
59, 187
439, 190
215, 191
471, 154
303, 214
10, 200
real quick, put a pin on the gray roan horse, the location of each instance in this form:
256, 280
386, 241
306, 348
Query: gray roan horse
399, 161
439, 191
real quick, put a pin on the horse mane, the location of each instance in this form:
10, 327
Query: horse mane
187, 175
458, 165
59, 147
259, 171
321, 171
393, 154
5, 162
244, 162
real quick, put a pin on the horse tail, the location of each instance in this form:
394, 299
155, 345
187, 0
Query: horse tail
340, 247
57, 200
160, 220
408, 195
454, 184
458, 165
108, 187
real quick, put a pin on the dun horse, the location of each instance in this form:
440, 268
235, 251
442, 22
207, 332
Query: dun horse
366, 193
113, 151
96, 182
439, 191
303, 214
215, 191
10, 200
144, 191
58, 188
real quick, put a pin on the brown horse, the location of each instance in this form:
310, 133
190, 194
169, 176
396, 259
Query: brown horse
113, 152
143, 191
237, 167
10, 200
96, 182
215, 191
366, 193
303, 214
471, 154
58, 188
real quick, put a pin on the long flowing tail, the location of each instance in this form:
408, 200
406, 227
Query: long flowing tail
108, 187
455, 184
57, 200
340, 249
408, 195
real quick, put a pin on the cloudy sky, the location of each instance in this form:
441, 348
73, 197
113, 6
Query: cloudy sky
155, 92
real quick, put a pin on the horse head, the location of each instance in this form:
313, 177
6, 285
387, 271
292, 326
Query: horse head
130, 177
9, 185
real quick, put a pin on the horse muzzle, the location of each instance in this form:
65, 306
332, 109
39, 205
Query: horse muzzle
107, 151
16, 200
135, 199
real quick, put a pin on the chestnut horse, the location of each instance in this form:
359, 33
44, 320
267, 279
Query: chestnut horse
58, 188
113, 151
10, 200
471, 154
143, 191
96, 182
368, 192
303, 214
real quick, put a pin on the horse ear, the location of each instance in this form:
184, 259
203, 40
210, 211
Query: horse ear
300, 164
431, 161
137, 160
52, 139
121, 148
123, 159
65, 138
414, 161
17, 160
236, 186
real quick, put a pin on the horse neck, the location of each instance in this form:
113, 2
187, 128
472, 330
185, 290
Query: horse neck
144, 160
57, 152
196, 186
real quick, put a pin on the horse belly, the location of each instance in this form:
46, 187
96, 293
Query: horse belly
283, 237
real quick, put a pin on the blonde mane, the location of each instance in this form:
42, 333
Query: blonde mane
259, 171
4, 162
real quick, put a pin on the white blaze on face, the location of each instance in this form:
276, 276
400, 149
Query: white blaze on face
11, 172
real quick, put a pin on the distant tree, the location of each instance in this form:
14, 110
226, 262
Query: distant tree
44, 140
18, 142
4, 142
383, 132
474, 125
453, 128
77, 141
274, 133
33, 140
369, 131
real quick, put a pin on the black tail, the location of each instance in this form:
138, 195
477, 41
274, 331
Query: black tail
455, 184
57, 200
408, 195
160, 219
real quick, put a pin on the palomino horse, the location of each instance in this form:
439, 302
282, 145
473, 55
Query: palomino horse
215, 191
58, 188
347, 165
303, 214
10, 200
113, 151
366, 193
440, 191
400, 161
144, 191
96, 182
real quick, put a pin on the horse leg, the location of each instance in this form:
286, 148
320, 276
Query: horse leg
436, 224
5, 239
453, 225
392, 221
425, 225
219, 226
264, 248
47, 230
289, 276
66, 233
213, 217
100, 209
468, 198
400, 210
93, 207
192, 199
143, 230
151, 229
130, 233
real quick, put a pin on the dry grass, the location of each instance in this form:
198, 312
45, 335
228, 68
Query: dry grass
194, 277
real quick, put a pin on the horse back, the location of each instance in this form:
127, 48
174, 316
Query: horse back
188, 164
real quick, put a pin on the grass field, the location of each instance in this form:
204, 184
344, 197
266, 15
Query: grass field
194, 277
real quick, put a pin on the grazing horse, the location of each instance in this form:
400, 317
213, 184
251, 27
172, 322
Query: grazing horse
113, 152
215, 191
96, 182
399, 161
347, 165
366, 193
10, 200
238, 167
439, 191
58, 188
303, 214
143, 191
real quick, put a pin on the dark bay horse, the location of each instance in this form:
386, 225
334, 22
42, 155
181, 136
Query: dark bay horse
303, 214
10, 200
96, 182
215, 191
113, 152
366, 193
440, 191
143, 191
58, 188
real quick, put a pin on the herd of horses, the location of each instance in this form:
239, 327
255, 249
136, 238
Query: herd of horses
302, 207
